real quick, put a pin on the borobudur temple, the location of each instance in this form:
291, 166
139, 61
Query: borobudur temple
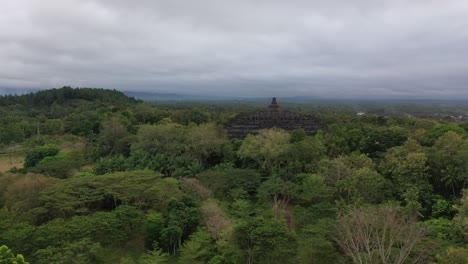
272, 117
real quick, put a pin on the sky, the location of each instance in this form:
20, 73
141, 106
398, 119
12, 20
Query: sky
409, 49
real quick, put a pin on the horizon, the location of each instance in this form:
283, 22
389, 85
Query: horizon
158, 96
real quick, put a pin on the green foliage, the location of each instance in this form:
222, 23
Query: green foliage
268, 149
37, 154
279, 193
203, 143
406, 166
442, 208
81, 251
265, 241
154, 224
342, 139
298, 135
71, 237
7, 257
439, 130
109, 164
166, 179
231, 183
198, 249
164, 138
66, 93
314, 190
449, 163
308, 152
77, 196
343, 166
182, 217
154, 256
441, 228
454, 255
11, 134
108, 228
378, 141
196, 116
363, 186
316, 245
461, 219
59, 166
114, 139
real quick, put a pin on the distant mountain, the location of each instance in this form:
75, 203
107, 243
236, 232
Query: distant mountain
149, 96
16, 91
155, 96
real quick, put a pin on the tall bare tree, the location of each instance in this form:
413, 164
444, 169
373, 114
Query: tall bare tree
379, 235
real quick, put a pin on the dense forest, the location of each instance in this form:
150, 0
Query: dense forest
93, 176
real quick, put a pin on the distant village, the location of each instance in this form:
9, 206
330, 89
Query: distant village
447, 117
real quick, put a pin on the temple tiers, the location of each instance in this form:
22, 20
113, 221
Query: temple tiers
274, 116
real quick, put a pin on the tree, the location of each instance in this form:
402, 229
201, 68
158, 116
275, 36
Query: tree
308, 151
154, 224
363, 186
279, 192
204, 141
182, 217
198, 249
22, 193
315, 242
7, 257
378, 235
231, 183
215, 220
60, 166
265, 241
154, 256
160, 139
406, 166
439, 130
461, 219
449, 162
342, 167
343, 139
314, 190
268, 148
37, 154
113, 138
196, 116
144, 113
454, 255
378, 141
85, 195
76, 252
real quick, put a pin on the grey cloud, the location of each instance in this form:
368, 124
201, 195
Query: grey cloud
362, 48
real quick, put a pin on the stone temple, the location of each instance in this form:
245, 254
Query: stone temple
274, 116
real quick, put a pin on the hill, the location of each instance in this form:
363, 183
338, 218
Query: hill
66, 94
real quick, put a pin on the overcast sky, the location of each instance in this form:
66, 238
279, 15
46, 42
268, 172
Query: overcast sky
328, 48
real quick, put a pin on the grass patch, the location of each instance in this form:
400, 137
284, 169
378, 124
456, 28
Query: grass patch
9, 161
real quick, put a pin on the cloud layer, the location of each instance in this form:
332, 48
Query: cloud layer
345, 49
